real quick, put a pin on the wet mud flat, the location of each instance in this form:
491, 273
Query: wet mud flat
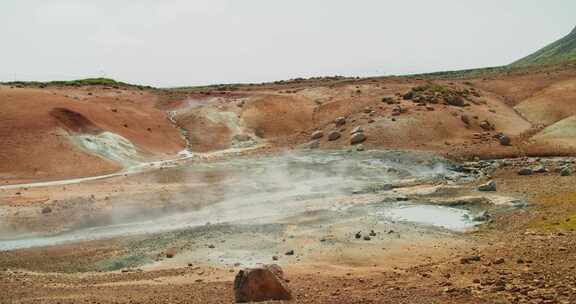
301, 207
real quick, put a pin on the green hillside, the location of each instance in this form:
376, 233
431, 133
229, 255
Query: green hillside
559, 51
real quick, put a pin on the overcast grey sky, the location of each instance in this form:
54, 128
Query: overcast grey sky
192, 42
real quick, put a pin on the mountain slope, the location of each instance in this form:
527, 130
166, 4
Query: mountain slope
559, 51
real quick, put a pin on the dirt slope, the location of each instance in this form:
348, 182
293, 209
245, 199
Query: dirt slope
37, 125
36, 144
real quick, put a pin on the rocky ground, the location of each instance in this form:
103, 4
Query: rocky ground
487, 122
525, 256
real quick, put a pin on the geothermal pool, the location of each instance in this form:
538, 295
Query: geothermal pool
302, 190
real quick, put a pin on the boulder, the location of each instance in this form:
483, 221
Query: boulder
317, 135
260, 284
487, 187
340, 121
525, 171
455, 100
170, 253
409, 95
566, 171
358, 129
504, 140
486, 125
334, 135
357, 138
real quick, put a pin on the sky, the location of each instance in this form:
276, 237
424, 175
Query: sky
169, 43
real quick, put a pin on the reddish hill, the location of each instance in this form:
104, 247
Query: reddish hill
458, 117
36, 125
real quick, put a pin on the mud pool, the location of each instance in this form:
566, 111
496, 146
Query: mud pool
253, 203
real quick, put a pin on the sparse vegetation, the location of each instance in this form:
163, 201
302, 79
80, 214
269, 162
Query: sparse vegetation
559, 51
74, 83
434, 93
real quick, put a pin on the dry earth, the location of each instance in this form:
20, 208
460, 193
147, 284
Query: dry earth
53, 133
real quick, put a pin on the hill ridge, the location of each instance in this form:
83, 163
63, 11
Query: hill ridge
559, 51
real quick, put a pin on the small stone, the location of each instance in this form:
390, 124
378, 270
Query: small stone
170, 253
470, 259
488, 187
317, 135
525, 171
290, 252
357, 138
566, 171
505, 140
358, 129
340, 121
334, 135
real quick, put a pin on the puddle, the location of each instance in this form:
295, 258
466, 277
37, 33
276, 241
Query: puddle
438, 216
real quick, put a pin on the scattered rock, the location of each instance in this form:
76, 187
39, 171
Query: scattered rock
488, 187
486, 125
334, 135
317, 135
525, 171
261, 284
566, 171
483, 216
340, 121
357, 138
358, 129
504, 140
470, 259
455, 100
170, 253
46, 210
314, 144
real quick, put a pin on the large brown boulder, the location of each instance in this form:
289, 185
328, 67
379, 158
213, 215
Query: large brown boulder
265, 283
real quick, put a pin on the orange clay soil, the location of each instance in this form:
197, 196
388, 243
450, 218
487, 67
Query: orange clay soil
36, 123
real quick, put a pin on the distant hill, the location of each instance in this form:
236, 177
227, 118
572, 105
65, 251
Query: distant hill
559, 51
